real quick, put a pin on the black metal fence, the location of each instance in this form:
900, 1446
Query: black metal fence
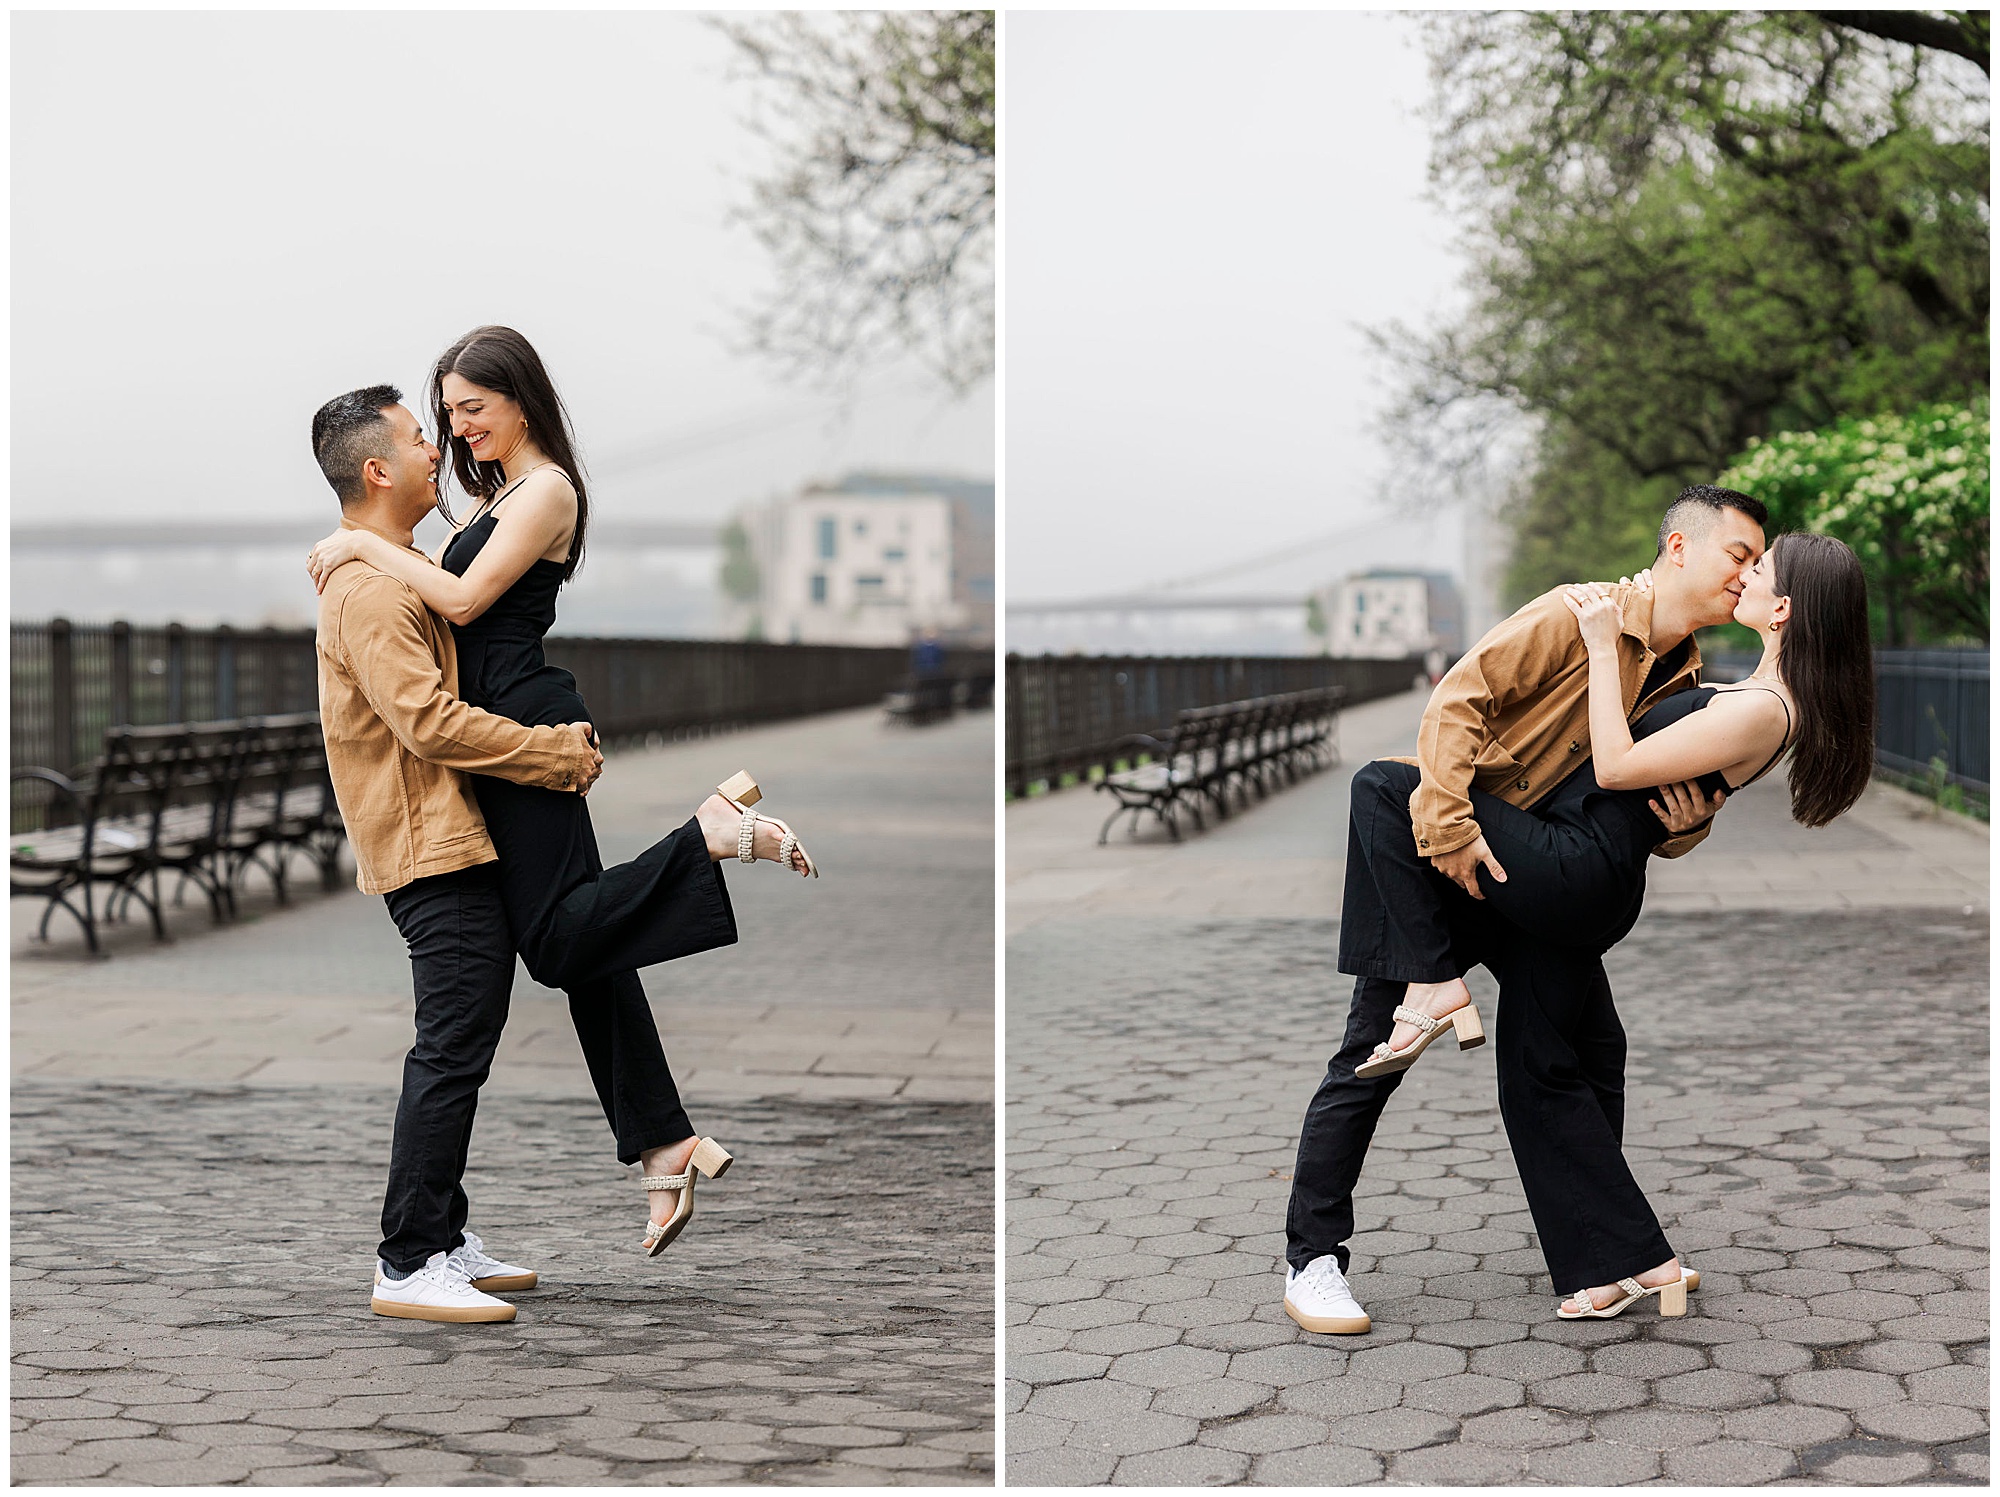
1930, 705
72, 681
1066, 714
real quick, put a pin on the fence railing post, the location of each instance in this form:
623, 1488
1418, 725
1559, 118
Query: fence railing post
62, 694
225, 672
177, 673
121, 674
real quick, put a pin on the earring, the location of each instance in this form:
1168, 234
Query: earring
1774, 626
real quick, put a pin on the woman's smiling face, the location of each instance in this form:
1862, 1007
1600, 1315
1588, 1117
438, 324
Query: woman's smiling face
489, 423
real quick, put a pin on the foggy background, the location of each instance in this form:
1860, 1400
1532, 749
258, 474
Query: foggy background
222, 220
1203, 211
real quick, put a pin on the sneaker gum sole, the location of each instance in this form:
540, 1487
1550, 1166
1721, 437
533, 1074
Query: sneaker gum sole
506, 1282
454, 1313
1330, 1325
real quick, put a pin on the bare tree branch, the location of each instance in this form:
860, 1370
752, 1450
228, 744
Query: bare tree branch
880, 214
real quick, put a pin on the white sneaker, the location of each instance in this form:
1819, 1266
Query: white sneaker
487, 1272
1318, 1299
437, 1291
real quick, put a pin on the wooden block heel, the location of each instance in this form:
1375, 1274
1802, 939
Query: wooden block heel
1471, 1033
740, 787
1674, 1298
710, 1159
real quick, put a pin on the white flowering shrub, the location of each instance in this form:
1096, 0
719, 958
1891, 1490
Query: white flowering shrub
1910, 493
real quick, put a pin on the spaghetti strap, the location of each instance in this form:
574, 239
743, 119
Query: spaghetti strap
1784, 744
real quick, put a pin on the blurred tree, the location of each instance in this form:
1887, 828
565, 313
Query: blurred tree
880, 214
1911, 493
1694, 228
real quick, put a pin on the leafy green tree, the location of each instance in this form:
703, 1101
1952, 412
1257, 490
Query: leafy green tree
1911, 493
880, 213
1693, 229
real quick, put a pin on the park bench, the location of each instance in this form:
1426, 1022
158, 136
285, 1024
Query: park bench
205, 801
1229, 752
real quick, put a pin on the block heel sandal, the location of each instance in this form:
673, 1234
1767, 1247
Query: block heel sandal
710, 1159
742, 792
1464, 1022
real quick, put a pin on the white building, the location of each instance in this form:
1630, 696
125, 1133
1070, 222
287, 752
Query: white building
841, 567
1389, 615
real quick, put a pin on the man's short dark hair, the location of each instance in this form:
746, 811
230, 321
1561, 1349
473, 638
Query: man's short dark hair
1700, 505
348, 430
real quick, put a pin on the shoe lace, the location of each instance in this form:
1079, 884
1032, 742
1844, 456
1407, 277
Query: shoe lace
1323, 1273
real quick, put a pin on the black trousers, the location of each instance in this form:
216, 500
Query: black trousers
1560, 1047
462, 960
584, 928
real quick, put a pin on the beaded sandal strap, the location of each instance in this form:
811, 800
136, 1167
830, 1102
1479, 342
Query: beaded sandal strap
664, 1182
1634, 1288
746, 837
787, 847
1423, 1021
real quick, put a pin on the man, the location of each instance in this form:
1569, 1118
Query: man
1511, 719
399, 744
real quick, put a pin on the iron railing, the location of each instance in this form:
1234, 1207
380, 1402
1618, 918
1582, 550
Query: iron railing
1929, 705
72, 681
1069, 714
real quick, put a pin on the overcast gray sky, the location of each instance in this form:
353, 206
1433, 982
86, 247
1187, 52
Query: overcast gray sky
1199, 209
223, 219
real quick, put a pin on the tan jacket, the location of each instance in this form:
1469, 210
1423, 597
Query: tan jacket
399, 741
1512, 718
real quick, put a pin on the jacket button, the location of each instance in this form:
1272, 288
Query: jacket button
1423, 842
1522, 786
1576, 748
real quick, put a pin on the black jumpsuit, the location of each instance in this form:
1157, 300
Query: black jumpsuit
578, 925
1576, 879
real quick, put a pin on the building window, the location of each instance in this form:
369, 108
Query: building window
868, 587
819, 586
894, 553
829, 531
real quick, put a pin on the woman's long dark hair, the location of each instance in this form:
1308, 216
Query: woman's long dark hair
501, 360
1829, 667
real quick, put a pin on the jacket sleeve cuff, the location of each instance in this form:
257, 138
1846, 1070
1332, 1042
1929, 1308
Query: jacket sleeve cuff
1685, 843
1436, 841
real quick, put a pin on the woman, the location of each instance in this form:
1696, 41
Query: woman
1576, 878
578, 925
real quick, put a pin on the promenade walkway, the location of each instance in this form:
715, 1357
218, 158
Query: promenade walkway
200, 1130
1807, 1108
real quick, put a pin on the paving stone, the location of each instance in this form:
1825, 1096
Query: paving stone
1841, 1388
1589, 1393
1411, 1362
1525, 1429
1657, 1429
1939, 1424
1395, 1429
1135, 1433
1333, 1397
1729, 1463
1065, 1466
1765, 1358
1223, 1398
1592, 1463
1259, 1434
1319, 1465
1795, 1425
1867, 1468
1169, 1367
1967, 1387
1464, 1394
1457, 1466
1185, 1466
1528, 1361
1714, 1388
1646, 1359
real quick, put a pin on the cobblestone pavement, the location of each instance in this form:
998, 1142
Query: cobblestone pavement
202, 1129
1825, 1169
206, 1322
